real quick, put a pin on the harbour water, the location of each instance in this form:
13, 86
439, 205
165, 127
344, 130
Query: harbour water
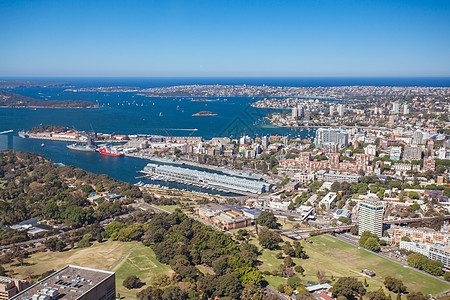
127, 113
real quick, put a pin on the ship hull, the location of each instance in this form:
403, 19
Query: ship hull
105, 152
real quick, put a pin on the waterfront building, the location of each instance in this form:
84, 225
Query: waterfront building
207, 178
265, 142
331, 135
371, 216
73, 282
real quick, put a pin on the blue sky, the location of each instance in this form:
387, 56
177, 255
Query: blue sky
224, 38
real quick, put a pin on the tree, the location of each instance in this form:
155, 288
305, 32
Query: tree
405, 239
2, 271
300, 270
348, 287
372, 244
99, 237
132, 282
434, 267
416, 296
416, 260
267, 218
173, 293
288, 261
394, 285
320, 274
376, 296
294, 282
366, 235
447, 276
269, 239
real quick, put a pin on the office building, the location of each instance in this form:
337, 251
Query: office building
73, 282
371, 216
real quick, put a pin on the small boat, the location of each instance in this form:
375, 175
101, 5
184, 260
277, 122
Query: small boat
42, 145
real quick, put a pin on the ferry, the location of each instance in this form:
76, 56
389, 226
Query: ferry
110, 151
23, 134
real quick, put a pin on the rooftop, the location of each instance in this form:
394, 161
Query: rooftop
71, 282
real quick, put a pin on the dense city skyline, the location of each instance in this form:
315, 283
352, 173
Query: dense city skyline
241, 38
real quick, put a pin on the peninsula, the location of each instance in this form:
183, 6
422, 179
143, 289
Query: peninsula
15, 84
8, 99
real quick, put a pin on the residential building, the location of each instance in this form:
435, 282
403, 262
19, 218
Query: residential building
331, 135
371, 216
340, 178
429, 164
441, 254
423, 235
328, 199
412, 152
73, 282
395, 153
370, 150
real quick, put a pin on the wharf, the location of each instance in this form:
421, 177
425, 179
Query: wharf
195, 183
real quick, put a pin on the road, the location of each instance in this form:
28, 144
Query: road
348, 241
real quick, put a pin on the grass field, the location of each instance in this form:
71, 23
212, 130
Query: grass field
338, 259
167, 207
141, 262
99, 256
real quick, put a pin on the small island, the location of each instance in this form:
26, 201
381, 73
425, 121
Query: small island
203, 100
204, 113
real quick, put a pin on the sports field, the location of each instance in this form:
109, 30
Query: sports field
339, 259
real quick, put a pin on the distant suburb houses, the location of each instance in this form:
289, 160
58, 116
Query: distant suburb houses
227, 216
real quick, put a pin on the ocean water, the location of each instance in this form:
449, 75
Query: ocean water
127, 113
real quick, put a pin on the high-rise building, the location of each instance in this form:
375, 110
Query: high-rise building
331, 135
371, 216
405, 109
294, 113
395, 107
331, 110
418, 137
340, 110
265, 142
307, 115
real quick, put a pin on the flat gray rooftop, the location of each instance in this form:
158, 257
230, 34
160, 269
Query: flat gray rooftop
70, 282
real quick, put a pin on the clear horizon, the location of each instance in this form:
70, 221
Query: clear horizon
178, 39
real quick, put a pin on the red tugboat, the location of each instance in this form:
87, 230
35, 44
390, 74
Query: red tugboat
110, 151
